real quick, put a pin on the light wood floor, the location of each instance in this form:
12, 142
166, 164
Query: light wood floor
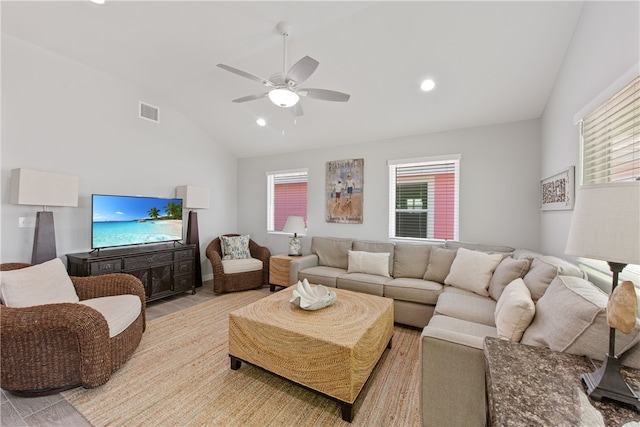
54, 410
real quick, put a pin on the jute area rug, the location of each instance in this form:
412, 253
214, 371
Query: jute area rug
180, 376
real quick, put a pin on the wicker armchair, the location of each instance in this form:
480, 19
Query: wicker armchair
53, 347
223, 282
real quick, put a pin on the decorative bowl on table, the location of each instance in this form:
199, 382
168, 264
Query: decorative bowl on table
309, 297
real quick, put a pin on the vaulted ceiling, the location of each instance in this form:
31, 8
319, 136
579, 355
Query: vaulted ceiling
493, 62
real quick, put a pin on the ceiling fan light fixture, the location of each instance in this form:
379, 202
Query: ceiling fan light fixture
283, 97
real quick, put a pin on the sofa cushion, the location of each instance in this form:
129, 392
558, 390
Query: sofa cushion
571, 317
377, 247
472, 270
467, 306
506, 272
539, 277
455, 245
120, 311
235, 247
413, 290
411, 260
440, 261
514, 311
46, 283
322, 275
369, 262
332, 251
459, 331
242, 265
362, 282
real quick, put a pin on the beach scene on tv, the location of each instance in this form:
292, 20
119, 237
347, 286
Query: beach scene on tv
129, 220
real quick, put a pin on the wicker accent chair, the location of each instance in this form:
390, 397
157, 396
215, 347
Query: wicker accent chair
49, 348
223, 282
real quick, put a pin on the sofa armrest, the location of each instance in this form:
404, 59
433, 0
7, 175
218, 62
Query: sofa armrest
300, 264
452, 382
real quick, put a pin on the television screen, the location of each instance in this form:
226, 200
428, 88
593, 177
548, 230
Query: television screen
134, 220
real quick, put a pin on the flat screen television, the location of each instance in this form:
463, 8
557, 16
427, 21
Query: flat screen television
134, 220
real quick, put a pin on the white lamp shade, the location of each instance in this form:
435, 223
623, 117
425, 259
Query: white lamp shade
33, 187
606, 223
284, 97
193, 197
294, 224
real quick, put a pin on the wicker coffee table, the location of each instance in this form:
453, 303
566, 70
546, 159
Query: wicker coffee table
331, 351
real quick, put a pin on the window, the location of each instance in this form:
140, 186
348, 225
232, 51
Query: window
610, 151
286, 196
610, 138
423, 198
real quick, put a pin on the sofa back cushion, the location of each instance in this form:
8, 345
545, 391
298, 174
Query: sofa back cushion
440, 261
571, 317
332, 251
507, 271
454, 244
377, 247
411, 260
45, 283
472, 270
539, 277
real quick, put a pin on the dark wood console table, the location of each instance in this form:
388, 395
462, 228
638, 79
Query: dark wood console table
164, 270
531, 386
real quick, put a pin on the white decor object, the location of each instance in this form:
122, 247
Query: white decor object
310, 297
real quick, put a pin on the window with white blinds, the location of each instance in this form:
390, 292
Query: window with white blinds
610, 138
423, 198
286, 196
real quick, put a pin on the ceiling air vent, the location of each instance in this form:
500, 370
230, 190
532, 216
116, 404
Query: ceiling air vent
149, 112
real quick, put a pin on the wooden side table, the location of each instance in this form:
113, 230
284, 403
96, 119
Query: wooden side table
279, 270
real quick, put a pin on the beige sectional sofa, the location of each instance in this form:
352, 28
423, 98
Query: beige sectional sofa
460, 293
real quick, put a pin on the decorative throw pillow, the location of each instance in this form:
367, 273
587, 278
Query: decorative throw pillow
440, 261
514, 311
46, 283
235, 247
507, 271
369, 262
472, 270
571, 317
539, 277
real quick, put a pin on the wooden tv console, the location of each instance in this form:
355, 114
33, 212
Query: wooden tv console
164, 269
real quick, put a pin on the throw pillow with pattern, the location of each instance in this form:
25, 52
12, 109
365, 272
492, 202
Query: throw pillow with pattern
235, 247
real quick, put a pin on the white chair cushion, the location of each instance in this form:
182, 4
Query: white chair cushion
46, 283
119, 310
231, 266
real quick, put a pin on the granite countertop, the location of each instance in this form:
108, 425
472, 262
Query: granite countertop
529, 386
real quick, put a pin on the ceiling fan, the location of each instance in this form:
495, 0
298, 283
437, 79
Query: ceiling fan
284, 90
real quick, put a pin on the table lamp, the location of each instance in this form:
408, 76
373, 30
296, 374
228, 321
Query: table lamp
606, 226
33, 187
194, 198
295, 225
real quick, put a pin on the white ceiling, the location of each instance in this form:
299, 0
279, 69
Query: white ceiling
493, 62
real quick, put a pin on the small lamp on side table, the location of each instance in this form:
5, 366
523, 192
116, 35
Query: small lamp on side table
295, 225
194, 198
606, 226
33, 187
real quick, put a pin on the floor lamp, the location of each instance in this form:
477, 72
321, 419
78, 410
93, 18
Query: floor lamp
194, 198
606, 226
33, 187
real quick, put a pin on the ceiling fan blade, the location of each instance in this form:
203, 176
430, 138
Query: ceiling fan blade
301, 71
296, 110
251, 97
325, 95
246, 75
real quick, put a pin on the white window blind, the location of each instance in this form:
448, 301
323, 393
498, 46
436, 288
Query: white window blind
610, 138
423, 198
286, 196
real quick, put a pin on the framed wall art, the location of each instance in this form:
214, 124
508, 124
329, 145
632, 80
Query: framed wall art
344, 190
558, 191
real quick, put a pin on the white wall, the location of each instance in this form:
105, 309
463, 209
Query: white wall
605, 44
61, 116
499, 181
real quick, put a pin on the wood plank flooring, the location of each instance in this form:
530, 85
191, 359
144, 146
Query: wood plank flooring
54, 410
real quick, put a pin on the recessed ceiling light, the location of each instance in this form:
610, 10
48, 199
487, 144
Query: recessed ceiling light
97, 1
427, 85
261, 122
